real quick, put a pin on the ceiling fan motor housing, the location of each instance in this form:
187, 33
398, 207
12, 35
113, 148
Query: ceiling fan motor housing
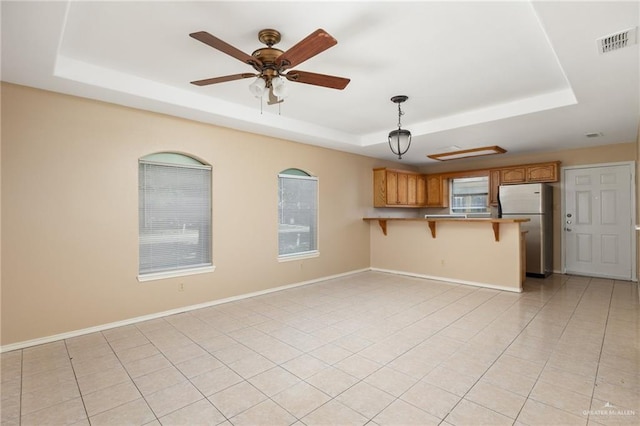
268, 55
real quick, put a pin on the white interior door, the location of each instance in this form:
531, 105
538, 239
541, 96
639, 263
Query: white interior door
597, 221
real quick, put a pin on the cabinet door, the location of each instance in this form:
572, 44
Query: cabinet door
412, 190
433, 191
392, 187
494, 187
395, 188
542, 173
379, 188
437, 191
514, 175
444, 192
403, 189
421, 191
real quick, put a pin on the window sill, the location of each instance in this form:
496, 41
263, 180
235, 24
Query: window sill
174, 274
306, 255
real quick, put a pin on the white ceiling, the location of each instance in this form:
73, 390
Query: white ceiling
523, 75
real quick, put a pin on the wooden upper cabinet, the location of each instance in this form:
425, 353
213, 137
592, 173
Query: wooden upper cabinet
437, 191
541, 172
421, 190
403, 189
513, 175
494, 187
392, 188
547, 172
398, 188
412, 189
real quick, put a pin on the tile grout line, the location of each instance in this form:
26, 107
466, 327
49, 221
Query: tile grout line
583, 296
553, 351
21, 385
180, 371
142, 395
398, 398
75, 376
332, 398
503, 353
595, 384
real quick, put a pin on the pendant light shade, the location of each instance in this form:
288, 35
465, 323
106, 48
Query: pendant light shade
399, 139
399, 142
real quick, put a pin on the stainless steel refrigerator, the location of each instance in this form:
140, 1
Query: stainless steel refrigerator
533, 201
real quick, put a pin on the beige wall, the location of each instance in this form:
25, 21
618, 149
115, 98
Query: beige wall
68, 198
70, 218
464, 252
573, 157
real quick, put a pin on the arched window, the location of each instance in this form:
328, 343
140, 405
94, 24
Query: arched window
174, 216
297, 214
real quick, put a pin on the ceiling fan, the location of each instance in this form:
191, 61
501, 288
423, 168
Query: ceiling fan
271, 63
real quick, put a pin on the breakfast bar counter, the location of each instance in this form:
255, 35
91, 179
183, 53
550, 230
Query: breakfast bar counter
484, 252
495, 223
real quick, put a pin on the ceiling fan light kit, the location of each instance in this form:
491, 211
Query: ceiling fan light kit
271, 63
399, 139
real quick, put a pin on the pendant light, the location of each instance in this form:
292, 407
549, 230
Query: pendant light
400, 139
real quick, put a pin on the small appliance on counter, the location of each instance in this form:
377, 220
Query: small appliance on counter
533, 201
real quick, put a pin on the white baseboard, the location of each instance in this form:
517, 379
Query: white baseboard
76, 333
449, 280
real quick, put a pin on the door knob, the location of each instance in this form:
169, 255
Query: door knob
568, 229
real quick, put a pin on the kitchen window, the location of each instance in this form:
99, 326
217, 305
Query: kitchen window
297, 214
174, 216
470, 195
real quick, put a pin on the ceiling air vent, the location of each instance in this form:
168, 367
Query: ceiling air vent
617, 41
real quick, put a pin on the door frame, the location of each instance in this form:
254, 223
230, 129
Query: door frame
632, 229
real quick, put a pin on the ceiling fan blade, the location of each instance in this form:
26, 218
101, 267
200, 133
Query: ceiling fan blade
323, 80
215, 80
225, 47
316, 42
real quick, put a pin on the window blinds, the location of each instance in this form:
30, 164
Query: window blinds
297, 214
470, 195
174, 217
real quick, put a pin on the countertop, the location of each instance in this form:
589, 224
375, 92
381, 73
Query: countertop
451, 219
495, 223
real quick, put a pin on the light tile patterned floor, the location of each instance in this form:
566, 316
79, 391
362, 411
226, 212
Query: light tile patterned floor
371, 348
